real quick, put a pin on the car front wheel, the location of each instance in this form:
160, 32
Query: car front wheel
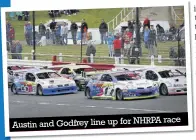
88, 94
119, 95
13, 89
39, 90
163, 90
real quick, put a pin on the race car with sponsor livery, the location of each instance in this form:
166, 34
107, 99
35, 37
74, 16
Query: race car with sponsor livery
120, 86
42, 82
75, 72
171, 81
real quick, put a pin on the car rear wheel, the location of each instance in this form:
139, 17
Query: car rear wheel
163, 90
13, 89
88, 94
119, 95
39, 90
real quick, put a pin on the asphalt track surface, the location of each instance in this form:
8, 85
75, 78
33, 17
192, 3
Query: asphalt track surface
24, 106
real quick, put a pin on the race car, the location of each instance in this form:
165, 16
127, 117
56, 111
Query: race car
42, 82
171, 81
120, 86
75, 72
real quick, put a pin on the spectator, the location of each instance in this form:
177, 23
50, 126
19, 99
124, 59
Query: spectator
51, 13
42, 29
127, 41
84, 30
26, 15
146, 35
130, 26
172, 32
47, 36
18, 50
103, 29
74, 29
13, 50
146, 23
122, 42
117, 46
8, 25
58, 34
160, 29
28, 33
64, 33
110, 45
19, 15
152, 42
89, 37
11, 34
53, 29
90, 50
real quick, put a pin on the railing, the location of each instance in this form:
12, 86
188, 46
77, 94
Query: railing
124, 13
100, 59
175, 17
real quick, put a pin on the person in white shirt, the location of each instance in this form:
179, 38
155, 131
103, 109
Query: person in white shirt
64, 33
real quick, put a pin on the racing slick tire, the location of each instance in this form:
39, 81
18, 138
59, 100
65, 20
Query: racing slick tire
79, 87
39, 90
119, 95
88, 94
163, 90
13, 89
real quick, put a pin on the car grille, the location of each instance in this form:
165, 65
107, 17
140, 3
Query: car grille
140, 88
59, 85
66, 85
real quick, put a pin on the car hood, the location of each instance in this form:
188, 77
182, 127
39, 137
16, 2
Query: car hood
141, 83
57, 81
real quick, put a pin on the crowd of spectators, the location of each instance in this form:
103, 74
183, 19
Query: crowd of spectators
58, 13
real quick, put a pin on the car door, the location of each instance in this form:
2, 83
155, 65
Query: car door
29, 85
107, 85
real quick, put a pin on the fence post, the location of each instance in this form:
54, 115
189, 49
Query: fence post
60, 57
152, 60
159, 59
91, 58
116, 20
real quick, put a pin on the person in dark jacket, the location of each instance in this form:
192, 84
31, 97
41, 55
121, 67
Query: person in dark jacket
90, 50
84, 30
152, 42
42, 29
130, 26
103, 29
18, 50
74, 29
53, 29
13, 50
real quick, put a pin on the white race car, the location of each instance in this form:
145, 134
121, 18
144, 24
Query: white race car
171, 81
42, 82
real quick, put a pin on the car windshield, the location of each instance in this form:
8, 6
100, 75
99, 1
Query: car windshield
47, 75
169, 73
124, 77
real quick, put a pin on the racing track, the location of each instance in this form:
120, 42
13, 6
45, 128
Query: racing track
76, 105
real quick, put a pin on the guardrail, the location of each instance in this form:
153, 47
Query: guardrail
175, 17
124, 13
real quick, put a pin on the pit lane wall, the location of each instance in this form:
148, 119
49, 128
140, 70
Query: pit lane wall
97, 66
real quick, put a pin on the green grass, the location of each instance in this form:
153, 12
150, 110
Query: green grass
102, 50
93, 18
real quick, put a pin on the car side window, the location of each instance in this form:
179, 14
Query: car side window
30, 77
65, 71
106, 78
151, 75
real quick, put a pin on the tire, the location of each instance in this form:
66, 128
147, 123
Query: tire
119, 95
88, 94
13, 89
163, 90
106, 91
39, 90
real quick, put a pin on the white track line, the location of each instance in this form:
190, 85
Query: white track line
63, 104
43, 103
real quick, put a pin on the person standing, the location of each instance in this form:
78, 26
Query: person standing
127, 41
42, 29
74, 30
152, 42
103, 29
18, 50
13, 50
110, 45
11, 34
53, 29
28, 33
146, 35
84, 30
8, 25
64, 33
117, 46
146, 22
90, 50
